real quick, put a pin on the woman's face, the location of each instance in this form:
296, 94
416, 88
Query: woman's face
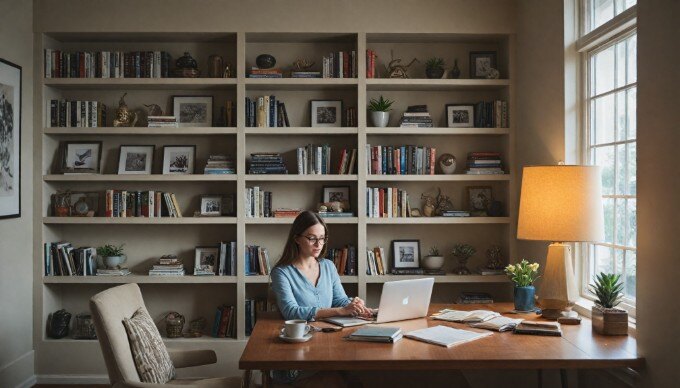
311, 248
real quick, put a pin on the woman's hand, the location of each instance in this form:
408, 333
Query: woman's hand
356, 307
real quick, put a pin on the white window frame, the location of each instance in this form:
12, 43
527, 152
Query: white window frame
621, 27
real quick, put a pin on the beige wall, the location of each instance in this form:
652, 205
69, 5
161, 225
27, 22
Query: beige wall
16, 277
658, 191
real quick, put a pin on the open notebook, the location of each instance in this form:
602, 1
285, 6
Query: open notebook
465, 316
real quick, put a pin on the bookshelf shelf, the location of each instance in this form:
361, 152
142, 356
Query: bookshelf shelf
289, 220
141, 279
141, 83
438, 178
439, 131
415, 84
300, 178
141, 131
441, 278
300, 83
139, 221
301, 131
140, 178
438, 220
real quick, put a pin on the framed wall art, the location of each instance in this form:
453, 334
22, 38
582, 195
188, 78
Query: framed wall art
193, 111
405, 254
10, 139
326, 113
178, 160
135, 159
81, 157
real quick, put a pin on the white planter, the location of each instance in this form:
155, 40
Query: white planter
113, 262
380, 119
432, 262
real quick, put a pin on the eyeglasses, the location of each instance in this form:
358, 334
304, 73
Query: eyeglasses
313, 240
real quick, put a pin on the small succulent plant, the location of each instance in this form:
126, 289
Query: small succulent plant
380, 105
435, 63
607, 288
109, 250
434, 251
463, 251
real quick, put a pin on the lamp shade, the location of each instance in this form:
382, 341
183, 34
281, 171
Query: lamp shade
561, 203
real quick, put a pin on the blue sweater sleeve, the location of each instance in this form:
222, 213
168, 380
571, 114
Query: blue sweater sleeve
286, 300
340, 298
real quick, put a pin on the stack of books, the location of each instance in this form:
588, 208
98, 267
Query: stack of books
416, 116
484, 163
267, 163
387, 202
375, 261
286, 213
314, 160
113, 272
256, 72
258, 202
224, 325
219, 164
341, 64
377, 334
305, 74
227, 263
474, 298
168, 265
162, 121
253, 307
455, 213
257, 260
266, 111
345, 259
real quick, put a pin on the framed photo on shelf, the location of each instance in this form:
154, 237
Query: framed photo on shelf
135, 159
481, 62
337, 194
10, 139
193, 111
405, 253
81, 157
179, 160
460, 116
206, 260
326, 113
479, 200
211, 205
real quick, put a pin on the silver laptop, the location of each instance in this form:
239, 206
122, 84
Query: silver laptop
400, 300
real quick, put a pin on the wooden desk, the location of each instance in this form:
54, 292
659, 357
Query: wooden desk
577, 348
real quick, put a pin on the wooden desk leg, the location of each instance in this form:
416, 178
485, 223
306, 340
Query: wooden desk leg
266, 379
563, 378
540, 378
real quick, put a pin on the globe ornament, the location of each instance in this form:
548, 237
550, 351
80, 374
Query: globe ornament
265, 61
447, 163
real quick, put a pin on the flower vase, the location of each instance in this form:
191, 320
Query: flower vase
524, 298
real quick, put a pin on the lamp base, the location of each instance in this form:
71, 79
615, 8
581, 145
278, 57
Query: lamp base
558, 288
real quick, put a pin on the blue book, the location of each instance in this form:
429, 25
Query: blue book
376, 334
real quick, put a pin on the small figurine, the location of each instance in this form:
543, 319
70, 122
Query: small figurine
395, 70
436, 205
124, 116
493, 73
228, 73
154, 110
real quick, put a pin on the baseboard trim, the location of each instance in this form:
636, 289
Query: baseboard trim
20, 372
73, 379
29, 382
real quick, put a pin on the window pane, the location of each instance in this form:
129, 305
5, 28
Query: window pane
632, 169
608, 204
603, 11
604, 119
631, 215
621, 116
621, 64
632, 112
605, 261
603, 64
604, 157
621, 169
620, 210
632, 59
619, 263
631, 274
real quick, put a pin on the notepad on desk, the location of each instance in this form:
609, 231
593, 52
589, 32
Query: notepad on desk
466, 316
445, 336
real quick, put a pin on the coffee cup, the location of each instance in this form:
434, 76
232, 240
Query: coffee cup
296, 328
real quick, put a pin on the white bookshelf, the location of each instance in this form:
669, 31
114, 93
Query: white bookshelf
148, 238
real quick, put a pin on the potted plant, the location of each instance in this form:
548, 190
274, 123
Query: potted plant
380, 111
434, 68
523, 275
463, 252
607, 319
112, 256
433, 261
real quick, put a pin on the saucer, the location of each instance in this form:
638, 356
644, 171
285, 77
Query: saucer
304, 338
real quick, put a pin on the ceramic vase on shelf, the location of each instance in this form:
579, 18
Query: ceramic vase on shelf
524, 298
380, 119
455, 71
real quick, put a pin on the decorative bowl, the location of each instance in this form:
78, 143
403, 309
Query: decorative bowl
432, 262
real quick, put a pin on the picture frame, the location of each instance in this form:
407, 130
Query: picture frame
10, 139
229, 205
481, 62
405, 253
206, 259
479, 199
179, 159
193, 111
135, 159
211, 205
326, 113
337, 194
81, 157
460, 115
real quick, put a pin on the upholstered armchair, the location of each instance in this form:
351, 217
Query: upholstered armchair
109, 308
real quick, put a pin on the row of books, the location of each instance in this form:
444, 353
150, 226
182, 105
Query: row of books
123, 203
65, 113
370, 64
223, 264
345, 259
224, 325
253, 308
258, 203
162, 122
314, 160
416, 116
376, 265
62, 259
341, 64
106, 64
267, 163
219, 164
266, 111
400, 160
491, 114
484, 163
256, 260
387, 202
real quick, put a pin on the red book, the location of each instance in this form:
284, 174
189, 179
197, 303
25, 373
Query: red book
433, 152
224, 321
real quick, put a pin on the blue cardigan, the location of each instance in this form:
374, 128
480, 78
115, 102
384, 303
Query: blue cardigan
298, 298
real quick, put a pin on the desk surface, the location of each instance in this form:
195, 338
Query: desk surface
577, 348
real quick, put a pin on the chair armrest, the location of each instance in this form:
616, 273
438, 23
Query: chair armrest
123, 384
186, 358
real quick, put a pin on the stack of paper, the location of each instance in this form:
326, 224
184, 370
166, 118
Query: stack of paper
445, 336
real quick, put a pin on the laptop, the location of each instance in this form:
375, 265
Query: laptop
400, 300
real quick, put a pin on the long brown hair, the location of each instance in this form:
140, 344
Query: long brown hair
303, 221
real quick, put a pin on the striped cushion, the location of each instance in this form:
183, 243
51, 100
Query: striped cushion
148, 350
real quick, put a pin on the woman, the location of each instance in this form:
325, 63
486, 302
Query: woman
307, 286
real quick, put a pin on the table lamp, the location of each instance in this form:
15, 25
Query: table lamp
560, 204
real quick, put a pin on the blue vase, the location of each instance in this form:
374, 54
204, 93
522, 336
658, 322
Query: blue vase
524, 298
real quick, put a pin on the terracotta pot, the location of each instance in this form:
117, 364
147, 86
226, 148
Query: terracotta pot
609, 321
